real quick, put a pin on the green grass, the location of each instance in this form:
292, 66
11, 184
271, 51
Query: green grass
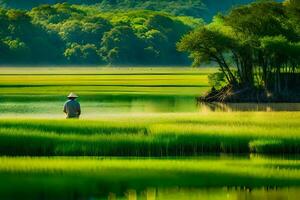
154, 135
88, 175
87, 82
6, 70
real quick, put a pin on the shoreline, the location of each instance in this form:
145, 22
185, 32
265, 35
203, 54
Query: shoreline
229, 94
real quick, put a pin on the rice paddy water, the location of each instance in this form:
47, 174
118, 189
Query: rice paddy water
142, 135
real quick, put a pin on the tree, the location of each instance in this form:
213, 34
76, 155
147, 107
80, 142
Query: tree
121, 45
155, 45
56, 33
255, 46
292, 3
82, 54
3, 51
84, 31
206, 45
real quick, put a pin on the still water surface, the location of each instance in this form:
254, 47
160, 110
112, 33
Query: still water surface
134, 104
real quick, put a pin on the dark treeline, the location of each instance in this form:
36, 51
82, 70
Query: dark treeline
205, 9
75, 34
256, 46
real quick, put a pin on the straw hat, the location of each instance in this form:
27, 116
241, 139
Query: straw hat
72, 95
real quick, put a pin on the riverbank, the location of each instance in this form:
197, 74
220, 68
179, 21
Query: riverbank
231, 94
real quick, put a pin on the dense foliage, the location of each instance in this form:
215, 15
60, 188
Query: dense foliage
255, 46
196, 8
65, 33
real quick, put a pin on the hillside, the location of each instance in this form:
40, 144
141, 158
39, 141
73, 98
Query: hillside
197, 8
75, 34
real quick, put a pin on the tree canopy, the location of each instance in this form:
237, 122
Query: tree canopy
196, 8
255, 46
74, 34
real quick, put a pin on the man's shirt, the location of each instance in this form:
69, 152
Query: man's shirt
72, 108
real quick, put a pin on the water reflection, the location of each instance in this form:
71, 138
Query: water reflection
209, 194
182, 194
241, 107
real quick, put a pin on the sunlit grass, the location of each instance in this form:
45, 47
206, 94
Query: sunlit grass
89, 92
161, 172
154, 135
66, 177
98, 81
103, 70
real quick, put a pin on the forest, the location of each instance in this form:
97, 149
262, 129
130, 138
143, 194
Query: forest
197, 8
256, 46
70, 34
100, 32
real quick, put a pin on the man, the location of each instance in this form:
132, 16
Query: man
72, 107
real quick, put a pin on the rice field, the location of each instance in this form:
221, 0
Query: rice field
141, 136
153, 135
102, 178
54, 83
